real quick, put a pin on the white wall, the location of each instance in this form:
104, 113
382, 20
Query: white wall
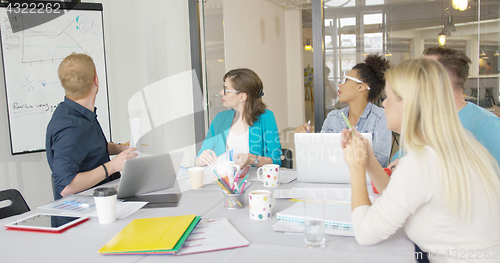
144, 43
294, 68
255, 38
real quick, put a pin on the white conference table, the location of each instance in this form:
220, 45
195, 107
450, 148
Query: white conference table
81, 243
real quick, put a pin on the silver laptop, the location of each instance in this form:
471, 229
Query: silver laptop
149, 174
319, 158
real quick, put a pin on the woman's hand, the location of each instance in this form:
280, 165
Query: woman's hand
354, 148
303, 128
207, 157
244, 159
393, 165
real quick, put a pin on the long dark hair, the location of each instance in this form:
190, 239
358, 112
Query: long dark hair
247, 81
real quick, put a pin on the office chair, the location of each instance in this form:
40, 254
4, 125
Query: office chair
17, 206
287, 159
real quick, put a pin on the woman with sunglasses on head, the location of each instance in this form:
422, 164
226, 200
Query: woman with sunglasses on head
362, 85
248, 128
445, 191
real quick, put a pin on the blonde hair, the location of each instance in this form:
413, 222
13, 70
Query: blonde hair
430, 119
77, 73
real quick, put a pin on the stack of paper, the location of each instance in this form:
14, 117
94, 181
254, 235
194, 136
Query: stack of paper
213, 235
159, 235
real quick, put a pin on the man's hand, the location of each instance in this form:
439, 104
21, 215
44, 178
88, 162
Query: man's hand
117, 163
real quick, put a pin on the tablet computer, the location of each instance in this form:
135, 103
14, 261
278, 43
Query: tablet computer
46, 223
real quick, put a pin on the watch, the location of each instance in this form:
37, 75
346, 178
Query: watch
256, 160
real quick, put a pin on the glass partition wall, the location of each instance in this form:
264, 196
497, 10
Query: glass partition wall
402, 29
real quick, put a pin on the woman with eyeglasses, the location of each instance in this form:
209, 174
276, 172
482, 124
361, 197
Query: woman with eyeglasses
362, 85
248, 128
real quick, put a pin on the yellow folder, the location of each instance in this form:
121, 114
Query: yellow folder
149, 234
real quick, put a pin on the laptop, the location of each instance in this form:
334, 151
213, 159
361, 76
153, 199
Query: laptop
319, 158
149, 174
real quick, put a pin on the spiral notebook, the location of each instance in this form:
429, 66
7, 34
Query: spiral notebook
335, 215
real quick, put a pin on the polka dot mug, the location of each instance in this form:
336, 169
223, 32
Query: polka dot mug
260, 203
269, 174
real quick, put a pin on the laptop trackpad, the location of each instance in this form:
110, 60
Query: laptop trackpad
161, 200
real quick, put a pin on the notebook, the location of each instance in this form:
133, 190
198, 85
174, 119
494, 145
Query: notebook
335, 215
157, 235
319, 158
298, 227
149, 174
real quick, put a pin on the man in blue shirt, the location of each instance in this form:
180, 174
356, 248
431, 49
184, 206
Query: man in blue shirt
483, 125
77, 150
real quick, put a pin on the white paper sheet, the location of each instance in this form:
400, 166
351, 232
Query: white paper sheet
343, 194
124, 209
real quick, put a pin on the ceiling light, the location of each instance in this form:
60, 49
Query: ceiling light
482, 54
308, 46
389, 54
460, 4
496, 53
442, 38
448, 25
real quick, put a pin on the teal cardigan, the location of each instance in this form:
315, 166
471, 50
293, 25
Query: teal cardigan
263, 137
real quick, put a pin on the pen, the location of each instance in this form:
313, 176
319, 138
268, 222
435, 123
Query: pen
244, 180
347, 122
129, 144
225, 187
76, 203
243, 187
217, 175
309, 124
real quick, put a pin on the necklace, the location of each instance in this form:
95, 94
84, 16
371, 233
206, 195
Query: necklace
462, 106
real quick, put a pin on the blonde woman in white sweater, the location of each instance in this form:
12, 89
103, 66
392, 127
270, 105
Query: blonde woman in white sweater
445, 191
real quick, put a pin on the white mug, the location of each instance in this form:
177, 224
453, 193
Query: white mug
270, 174
229, 168
260, 203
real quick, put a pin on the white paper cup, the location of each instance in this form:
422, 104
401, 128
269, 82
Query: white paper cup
196, 177
105, 204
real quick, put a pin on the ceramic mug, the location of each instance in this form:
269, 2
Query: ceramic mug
269, 174
260, 203
229, 168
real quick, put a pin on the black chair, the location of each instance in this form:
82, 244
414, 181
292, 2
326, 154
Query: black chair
287, 159
17, 206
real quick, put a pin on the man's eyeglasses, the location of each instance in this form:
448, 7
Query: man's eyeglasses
351, 78
228, 90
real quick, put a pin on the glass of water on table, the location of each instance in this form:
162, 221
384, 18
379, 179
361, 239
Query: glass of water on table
314, 223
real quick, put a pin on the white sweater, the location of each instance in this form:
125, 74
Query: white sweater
415, 199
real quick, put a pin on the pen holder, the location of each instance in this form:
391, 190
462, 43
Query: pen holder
234, 201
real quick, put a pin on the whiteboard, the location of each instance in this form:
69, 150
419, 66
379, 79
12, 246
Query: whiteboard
31, 58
